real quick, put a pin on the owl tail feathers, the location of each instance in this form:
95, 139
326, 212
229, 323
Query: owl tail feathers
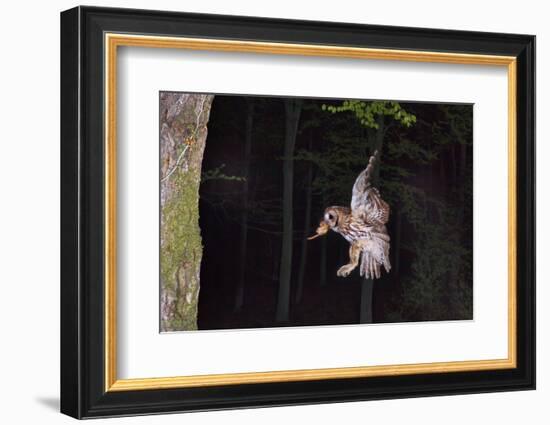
373, 256
370, 269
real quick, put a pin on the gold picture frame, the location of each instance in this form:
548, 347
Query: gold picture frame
114, 41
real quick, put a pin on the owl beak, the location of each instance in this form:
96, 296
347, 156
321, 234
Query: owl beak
321, 230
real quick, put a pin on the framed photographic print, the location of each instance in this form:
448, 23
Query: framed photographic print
261, 212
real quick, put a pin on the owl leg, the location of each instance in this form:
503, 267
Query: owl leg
354, 252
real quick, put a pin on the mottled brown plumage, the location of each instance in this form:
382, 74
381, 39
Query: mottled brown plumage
363, 226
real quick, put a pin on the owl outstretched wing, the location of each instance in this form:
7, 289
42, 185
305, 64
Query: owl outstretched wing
366, 203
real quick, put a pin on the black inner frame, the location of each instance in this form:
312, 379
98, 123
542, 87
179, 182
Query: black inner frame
82, 205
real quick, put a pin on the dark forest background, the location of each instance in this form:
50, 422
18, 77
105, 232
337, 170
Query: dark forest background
271, 166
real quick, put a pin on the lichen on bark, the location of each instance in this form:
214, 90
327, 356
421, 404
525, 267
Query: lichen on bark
183, 134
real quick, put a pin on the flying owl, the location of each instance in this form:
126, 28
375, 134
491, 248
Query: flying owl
363, 226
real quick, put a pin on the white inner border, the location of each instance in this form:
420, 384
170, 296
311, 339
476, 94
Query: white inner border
142, 352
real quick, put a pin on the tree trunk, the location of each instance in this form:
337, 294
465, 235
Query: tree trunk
365, 309
239, 297
292, 113
182, 140
307, 225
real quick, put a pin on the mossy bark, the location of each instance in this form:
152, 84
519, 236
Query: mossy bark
183, 120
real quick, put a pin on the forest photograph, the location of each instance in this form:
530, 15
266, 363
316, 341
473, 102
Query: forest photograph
292, 211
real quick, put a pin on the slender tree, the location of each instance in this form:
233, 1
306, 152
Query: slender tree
293, 109
307, 228
239, 297
367, 285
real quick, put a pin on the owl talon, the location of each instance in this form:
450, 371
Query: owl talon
344, 271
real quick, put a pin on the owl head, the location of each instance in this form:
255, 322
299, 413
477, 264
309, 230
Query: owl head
329, 221
331, 217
